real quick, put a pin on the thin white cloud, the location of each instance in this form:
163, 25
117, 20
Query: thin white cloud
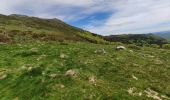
64, 9
126, 16
136, 14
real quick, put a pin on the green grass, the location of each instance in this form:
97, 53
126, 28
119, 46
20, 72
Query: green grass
29, 68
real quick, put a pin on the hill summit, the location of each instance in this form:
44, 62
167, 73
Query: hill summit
19, 27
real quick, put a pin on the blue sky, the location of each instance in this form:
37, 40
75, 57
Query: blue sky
99, 16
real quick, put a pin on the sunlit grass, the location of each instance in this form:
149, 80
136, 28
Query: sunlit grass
36, 71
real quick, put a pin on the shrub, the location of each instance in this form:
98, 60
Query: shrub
4, 38
92, 38
132, 46
154, 46
33, 71
12, 33
28, 53
166, 46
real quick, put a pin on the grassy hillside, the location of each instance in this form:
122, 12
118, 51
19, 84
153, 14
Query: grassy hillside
138, 39
47, 59
24, 28
83, 71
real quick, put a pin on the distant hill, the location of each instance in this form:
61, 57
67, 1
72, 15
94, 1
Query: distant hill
139, 39
21, 27
164, 34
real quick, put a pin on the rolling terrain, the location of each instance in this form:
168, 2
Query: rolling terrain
164, 34
47, 59
78, 71
137, 39
15, 28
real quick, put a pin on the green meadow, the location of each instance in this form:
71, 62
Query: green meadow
41, 71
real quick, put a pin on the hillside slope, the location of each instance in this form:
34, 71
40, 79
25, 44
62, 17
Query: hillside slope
138, 39
164, 34
83, 71
20, 27
45, 69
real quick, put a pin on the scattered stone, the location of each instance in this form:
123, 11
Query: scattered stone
53, 75
133, 91
135, 65
165, 97
100, 51
19, 45
92, 79
131, 51
140, 94
2, 43
85, 62
41, 57
43, 73
71, 73
3, 77
63, 56
62, 86
152, 94
158, 62
34, 50
29, 68
150, 56
134, 77
120, 48
23, 68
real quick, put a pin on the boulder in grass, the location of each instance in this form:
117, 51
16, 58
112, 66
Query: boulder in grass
120, 48
133, 91
100, 51
41, 57
152, 94
92, 80
134, 77
30, 68
35, 50
2, 43
53, 75
71, 73
62, 86
3, 77
63, 56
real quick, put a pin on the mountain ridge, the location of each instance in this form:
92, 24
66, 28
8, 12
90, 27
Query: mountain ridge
22, 28
138, 39
51, 29
163, 34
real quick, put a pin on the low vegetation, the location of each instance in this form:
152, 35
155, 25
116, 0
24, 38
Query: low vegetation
19, 28
46, 59
69, 71
138, 39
